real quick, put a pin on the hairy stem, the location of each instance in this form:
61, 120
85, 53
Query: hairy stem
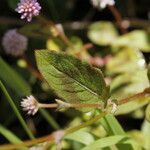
131, 98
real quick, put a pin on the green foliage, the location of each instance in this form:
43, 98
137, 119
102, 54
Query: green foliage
81, 137
123, 59
102, 33
106, 142
16, 111
11, 137
147, 113
13, 79
72, 80
138, 39
148, 72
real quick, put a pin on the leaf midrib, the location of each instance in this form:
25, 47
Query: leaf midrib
86, 88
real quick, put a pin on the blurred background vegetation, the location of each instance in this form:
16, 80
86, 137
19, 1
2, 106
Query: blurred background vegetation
77, 18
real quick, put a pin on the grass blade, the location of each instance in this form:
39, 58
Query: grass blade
16, 111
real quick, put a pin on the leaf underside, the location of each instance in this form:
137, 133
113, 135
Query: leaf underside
71, 79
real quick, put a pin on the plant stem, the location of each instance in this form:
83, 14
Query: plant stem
52, 105
131, 98
63, 37
49, 138
16, 111
62, 104
83, 125
117, 17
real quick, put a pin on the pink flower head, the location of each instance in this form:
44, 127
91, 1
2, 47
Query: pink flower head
28, 9
14, 43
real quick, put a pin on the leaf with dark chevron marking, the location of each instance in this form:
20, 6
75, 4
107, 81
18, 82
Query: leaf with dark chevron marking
71, 79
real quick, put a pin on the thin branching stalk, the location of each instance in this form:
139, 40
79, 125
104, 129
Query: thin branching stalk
118, 18
83, 125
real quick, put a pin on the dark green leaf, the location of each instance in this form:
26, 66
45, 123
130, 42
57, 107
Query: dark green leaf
72, 80
12, 138
13, 79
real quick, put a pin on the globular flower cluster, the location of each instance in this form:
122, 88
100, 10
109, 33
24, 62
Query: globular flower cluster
102, 3
14, 43
30, 104
28, 9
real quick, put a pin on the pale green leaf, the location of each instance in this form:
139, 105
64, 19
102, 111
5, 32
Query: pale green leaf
126, 85
146, 131
127, 60
81, 137
72, 80
139, 137
148, 72
102, 33
147, 112
13, 79
113, 124
136, 39
105, 142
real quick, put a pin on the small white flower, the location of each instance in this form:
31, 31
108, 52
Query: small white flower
30, 104
102, 3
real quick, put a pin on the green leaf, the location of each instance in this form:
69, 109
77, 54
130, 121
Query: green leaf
72, 80
16, 111
135, 82
36, 31
112, 125
12, 138
147, 112
138, 39
139, 137
106, 142
81, 137
146, 130
9, 135
148, 72
13, 79
126, 60
102, 33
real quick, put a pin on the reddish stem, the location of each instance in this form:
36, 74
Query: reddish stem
117, 17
